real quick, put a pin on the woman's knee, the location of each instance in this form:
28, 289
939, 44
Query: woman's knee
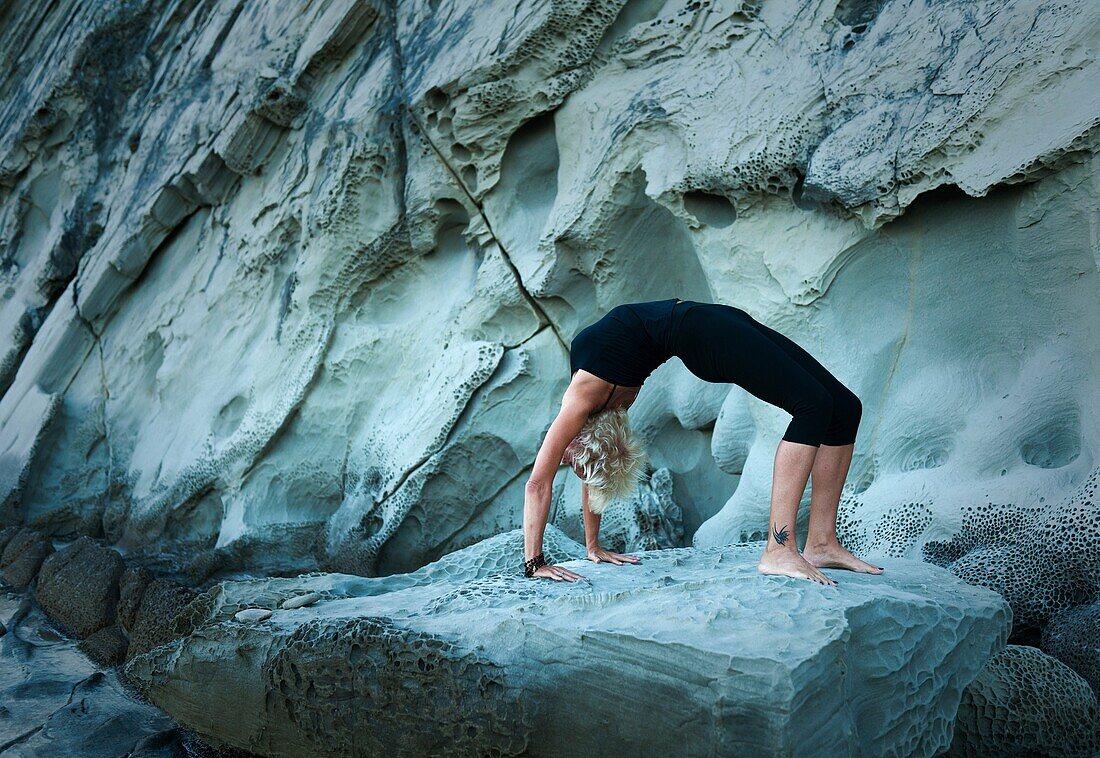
847, 413
848, 406
812, 412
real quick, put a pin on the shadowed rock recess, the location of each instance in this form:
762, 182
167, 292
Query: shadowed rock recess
287, 289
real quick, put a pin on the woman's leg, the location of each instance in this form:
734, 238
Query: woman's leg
830, 466
847, 408
793, 462
723, 344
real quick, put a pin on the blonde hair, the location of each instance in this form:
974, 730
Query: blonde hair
607, 456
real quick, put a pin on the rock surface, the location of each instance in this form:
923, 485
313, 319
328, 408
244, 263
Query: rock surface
78, 586
224, 235
1027, 703
132, 586
107, 647
1043, 560
252, 615
290, 288
22, 556
300, 601
55, 702
1073, 637
157, 619
737, 661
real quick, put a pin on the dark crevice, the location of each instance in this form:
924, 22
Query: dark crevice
543, 316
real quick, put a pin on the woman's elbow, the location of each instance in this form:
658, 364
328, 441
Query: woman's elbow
536, 486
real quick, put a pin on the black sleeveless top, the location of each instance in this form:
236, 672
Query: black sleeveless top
628, 343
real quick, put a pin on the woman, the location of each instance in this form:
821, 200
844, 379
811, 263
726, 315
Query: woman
610, 360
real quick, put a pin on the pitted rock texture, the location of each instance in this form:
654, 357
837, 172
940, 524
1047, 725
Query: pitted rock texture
1043, 560
1073, 637
326, 671
22, 556
506, 665
223, 238
160, 616
78, 586
1027, 703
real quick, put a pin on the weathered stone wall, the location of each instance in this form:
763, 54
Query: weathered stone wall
308, 279
291, 287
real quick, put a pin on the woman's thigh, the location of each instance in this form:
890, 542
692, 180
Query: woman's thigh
721, 343
800, 356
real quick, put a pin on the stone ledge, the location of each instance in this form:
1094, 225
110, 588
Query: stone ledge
690, 652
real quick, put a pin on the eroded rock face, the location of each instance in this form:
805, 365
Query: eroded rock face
78, 586
290, 289
237, 249
1044, 561
506, 664
649, 519
1027, 703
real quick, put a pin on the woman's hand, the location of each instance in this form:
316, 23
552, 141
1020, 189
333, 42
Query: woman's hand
599, 555
558, 573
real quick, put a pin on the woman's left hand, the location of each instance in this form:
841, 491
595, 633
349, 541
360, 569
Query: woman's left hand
599, 555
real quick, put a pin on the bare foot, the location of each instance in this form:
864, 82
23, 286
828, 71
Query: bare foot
788, 562
832, 555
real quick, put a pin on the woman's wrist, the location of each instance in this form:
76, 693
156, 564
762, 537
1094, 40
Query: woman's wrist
534, 564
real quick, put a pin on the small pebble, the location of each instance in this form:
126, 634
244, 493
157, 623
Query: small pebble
253, 614
299, 601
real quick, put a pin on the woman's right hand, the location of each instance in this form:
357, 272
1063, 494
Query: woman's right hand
558, 573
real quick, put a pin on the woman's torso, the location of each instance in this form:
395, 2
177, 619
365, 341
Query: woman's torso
627, 344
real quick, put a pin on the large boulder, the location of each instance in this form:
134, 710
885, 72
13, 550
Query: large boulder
5, 536
107, 647
738, 661
22, 557
162, 602
1073, 637
131, 589
78, 586
1027, 703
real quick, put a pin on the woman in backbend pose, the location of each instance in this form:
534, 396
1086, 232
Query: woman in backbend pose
610, 360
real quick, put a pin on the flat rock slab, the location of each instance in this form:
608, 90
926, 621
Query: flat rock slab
689, 652
55, 702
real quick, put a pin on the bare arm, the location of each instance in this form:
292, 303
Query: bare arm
537, 492
576, 405
591, 522
592, 537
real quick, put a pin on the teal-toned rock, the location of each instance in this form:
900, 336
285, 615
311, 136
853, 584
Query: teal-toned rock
689, 652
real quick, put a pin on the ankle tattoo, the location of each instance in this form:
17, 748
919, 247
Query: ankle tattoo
781, 535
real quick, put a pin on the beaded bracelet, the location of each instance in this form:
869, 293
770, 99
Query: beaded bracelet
532, 565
